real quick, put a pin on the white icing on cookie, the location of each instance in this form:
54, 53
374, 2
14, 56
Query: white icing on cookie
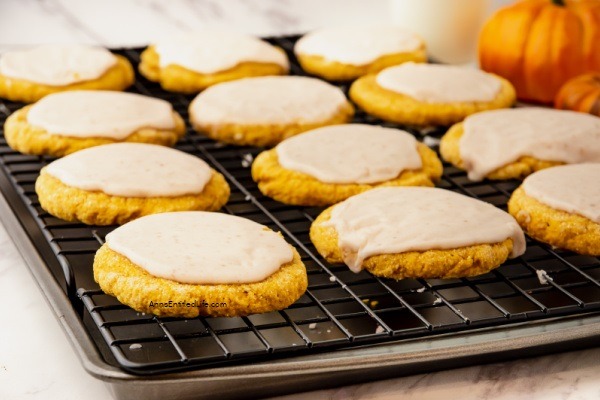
95, 113
432, 83
133, 170
571, 188
400, 219
267, 100
201, 247
357, 45
350, 153
57, 65
493, 139
213, 51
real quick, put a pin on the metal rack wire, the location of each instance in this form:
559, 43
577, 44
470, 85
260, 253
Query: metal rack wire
339, 309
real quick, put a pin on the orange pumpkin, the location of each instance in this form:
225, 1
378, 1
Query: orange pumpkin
581, 93
539, 44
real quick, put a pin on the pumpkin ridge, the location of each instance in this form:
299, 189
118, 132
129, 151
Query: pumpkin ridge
589, 19
519, 77
595, 109
536, 76
567, 57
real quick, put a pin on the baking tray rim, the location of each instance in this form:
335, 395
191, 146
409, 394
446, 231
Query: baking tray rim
553, 335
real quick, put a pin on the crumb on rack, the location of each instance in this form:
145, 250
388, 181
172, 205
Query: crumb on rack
247, 160
430, 141
543, 277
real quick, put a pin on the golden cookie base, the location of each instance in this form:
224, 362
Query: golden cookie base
266, 135
555, 227
441, 264
98, 208
337, 71
519, 169
175, 78
401, 109
133, 286
118, 77
28, 139
296, 188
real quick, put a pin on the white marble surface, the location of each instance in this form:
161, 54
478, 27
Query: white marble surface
36, 361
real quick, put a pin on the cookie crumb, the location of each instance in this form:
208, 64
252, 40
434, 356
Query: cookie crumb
430, 141
247, 160
543, 277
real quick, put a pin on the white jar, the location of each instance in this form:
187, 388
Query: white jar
450, 28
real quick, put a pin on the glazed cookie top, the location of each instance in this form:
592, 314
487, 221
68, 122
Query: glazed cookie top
432, 83
132, 170
57, 65
268, 100
357, 46
97, 113
350, 153
571, 188
493, 139
212, 51
400, 219
201, 247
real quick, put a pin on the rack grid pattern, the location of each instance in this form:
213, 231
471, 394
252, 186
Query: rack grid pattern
340, 309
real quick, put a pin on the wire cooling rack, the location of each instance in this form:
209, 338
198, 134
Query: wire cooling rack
340, 309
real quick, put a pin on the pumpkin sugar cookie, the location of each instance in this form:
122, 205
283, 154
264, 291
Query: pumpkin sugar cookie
417, 232
194, 61
63, 123
429, 95
327, 165
191, 260
513, 143
267, 110
115, 183
559, 206
342, 54
29, 75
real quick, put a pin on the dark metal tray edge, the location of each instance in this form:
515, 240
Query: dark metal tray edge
306, 372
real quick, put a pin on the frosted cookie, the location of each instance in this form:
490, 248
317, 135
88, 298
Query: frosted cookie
412, 232
561, 206
264, 111
340, 54
511, 144
29, 75
63, 123
115, 183
327, 165
187, 264
429, 95
192, 62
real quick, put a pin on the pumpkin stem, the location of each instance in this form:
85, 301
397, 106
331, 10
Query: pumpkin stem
560, 3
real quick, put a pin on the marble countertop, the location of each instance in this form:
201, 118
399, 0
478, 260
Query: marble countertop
36, 361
